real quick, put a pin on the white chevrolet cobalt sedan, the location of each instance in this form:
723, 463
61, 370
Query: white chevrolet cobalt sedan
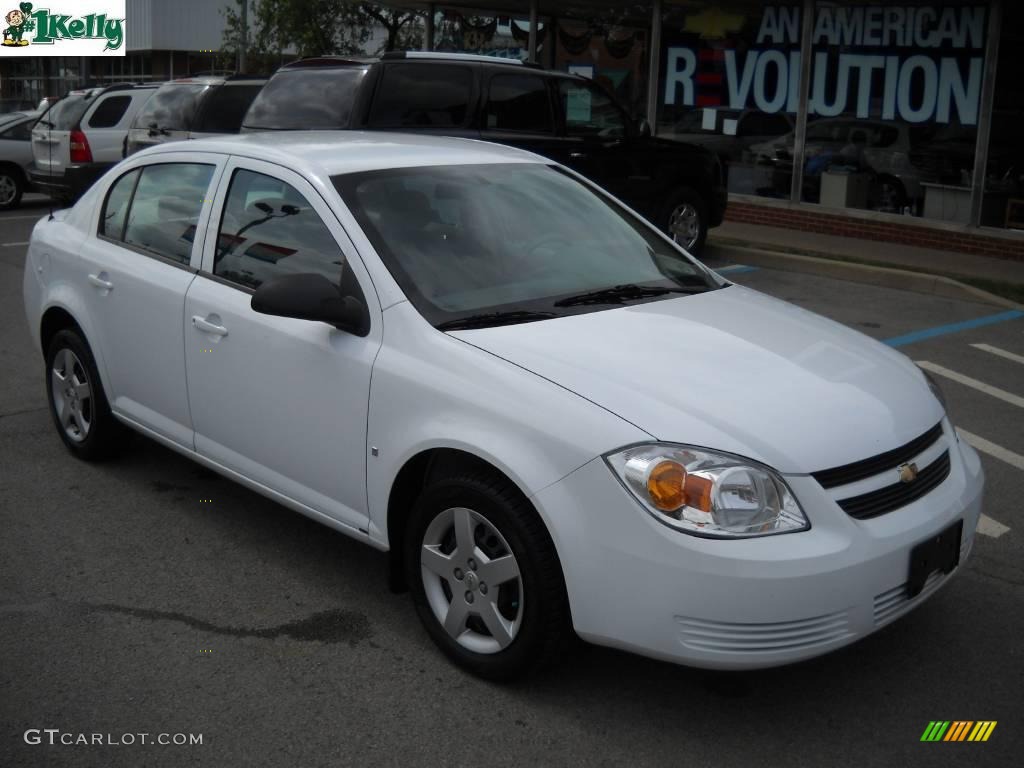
554, 419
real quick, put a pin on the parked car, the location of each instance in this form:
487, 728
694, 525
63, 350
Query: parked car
15, 156
564, 117
193, 107
82, 136
480, 361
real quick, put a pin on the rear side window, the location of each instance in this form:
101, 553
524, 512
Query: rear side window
422, 96
223, 108
164, 210
305, 99
115, 208
172, 107
518, 103
20, 132
109, 111
269, 229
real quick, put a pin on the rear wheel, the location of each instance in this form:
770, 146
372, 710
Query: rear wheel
485, 578
686, 219
78, 404
12, 186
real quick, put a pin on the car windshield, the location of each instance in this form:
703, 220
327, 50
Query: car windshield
519, 238
172, 107
305, 99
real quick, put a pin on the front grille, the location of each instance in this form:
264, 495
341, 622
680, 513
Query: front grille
898, 495
772, 637
858, 470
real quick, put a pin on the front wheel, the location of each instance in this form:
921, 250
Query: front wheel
485, 579
685, 219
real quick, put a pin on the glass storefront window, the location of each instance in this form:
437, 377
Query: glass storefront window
1003, 201
730, 73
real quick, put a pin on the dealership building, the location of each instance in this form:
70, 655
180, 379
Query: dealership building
892, 122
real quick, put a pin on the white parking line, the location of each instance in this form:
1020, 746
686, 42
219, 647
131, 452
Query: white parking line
20, 218
1000, 352
967, 381
11, 245
989, 527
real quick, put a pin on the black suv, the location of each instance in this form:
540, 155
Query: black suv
572, 120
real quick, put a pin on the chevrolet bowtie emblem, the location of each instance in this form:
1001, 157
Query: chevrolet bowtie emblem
908, 472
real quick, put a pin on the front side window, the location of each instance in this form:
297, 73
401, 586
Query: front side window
164, 211
418, 96
472, 239
518, 103
589, 111
269, 229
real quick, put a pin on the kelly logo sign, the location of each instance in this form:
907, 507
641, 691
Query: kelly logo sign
73, 28
915, 63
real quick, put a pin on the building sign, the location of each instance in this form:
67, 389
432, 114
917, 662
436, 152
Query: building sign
63, 28
912, 63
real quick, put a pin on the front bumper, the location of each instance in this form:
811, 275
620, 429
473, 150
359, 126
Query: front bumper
72, 183
638, 585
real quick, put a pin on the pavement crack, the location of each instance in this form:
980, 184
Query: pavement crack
26, 410
331, 626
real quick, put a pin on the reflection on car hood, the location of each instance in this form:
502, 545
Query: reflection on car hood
732, 370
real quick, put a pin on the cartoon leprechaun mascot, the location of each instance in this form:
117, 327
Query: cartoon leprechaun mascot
19, 23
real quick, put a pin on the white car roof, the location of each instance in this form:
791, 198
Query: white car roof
337, 152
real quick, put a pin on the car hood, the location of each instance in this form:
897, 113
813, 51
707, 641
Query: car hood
733, 370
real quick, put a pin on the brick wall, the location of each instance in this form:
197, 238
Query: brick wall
885, 231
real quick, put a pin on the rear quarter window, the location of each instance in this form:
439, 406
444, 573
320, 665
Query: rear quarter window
109, 111
422, 96
306, 99
224, 107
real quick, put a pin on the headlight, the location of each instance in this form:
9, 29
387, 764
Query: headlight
708, 494
935, 388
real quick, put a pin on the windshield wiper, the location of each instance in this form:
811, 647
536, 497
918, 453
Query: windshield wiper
488, 319
620, 293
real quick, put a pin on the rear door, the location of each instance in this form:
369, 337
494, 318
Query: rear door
137, 267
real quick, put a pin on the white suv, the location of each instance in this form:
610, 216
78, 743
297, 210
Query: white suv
553, 417
83, 135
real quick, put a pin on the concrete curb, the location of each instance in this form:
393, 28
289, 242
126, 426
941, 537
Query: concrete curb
886, 277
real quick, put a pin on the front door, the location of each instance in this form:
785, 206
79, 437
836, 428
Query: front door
281, 401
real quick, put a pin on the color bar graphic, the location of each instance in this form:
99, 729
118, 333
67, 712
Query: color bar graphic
958, 730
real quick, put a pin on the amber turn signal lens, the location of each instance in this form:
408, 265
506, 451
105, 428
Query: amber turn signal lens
698, 492
666, 485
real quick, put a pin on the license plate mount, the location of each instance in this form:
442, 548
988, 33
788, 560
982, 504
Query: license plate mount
939, 553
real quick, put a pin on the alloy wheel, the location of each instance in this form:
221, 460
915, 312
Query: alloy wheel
72, 395
684, 225
8, 189
472, 580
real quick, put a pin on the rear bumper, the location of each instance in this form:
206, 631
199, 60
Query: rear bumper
74, 181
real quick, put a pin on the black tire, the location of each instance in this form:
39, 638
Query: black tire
104, 431
680, 199
11, 178
545, 632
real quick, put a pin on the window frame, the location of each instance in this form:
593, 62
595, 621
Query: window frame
553, 108
217, 161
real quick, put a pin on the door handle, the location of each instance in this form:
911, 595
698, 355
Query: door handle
99, 282
207, 327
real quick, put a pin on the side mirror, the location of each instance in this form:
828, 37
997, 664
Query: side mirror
643, 127
310, 296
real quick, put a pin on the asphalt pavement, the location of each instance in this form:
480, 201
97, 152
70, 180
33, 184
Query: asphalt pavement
149, 595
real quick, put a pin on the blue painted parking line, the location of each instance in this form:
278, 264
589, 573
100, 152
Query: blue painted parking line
736, 269
942, 330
